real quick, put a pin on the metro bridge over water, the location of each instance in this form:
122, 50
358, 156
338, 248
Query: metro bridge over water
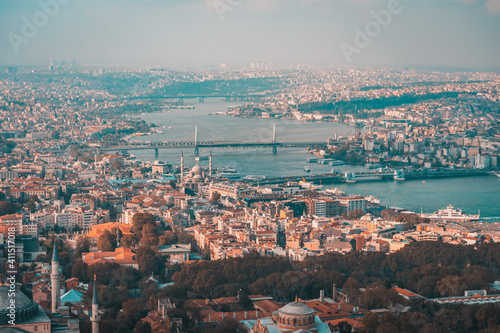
196, 144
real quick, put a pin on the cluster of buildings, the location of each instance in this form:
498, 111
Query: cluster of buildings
87, 192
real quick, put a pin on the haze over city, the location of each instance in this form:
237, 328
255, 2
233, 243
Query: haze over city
431, 34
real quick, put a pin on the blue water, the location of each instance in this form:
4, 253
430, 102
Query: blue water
469, 194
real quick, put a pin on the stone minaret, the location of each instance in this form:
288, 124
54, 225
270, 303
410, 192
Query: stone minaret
55, 280
210, 166
182, 167
117, 234
95, 319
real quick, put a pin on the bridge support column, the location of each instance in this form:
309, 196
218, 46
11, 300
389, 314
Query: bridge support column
196, 152
156, 151
275, 150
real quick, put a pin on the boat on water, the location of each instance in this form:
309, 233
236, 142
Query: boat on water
451, 214
496, 174
254, 177
335, 191
307, 169
373, 200
227, 170
228, 175
310, 186
204, 158
336, 163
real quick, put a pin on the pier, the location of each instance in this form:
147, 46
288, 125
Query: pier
337, 178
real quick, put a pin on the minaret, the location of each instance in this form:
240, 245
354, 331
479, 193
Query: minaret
210, 165
117, 234
55, 279
95, 310
182, 166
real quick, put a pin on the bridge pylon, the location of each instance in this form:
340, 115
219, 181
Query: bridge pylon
196, 150
156, 152
275, 149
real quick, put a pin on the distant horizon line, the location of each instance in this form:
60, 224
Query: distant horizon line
243, 64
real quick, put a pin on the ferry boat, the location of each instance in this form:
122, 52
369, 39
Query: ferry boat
373, 199
451, 214
336, 163
310, 186
335, 191
227, 170
228, 175
254, 177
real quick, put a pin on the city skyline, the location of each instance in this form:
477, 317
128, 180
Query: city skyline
446, 33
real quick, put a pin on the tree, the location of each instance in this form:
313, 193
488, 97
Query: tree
140, 220
148, 262
117, 164
245, 301
142, 327
7, 208
30, 205
106, 242
226, 325
79, 270
370, 323
344, 327
388, 328
355, 214
129, 240
451, 286
149, 235
82, 245
55, 135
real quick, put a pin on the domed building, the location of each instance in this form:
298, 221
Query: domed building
28, 316
196, 176
295, 317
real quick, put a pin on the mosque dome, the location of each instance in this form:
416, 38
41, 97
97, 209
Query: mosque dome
78, 165
196, 170
296, 309
24, 307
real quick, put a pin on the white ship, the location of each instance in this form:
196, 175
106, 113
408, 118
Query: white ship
254, 177
450, 214
373, 199
335, 191
228, 175
310, 186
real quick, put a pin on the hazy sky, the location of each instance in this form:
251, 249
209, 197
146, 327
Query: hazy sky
451, 33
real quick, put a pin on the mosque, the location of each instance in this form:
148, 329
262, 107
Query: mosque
295, 317
30, 317
196, 177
